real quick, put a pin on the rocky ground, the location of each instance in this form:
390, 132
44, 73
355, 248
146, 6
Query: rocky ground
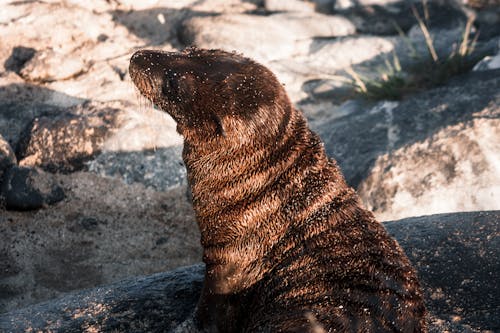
92, 183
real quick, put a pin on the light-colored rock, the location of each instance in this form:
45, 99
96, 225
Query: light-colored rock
325, 60
489, 62
432, 153
345, 4
289, 6
81, 52
455, 170
278, 36
435, 152
48, 66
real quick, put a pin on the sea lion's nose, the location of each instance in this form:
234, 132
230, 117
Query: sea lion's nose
138, 62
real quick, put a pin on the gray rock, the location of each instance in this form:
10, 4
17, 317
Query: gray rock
434, 152
456, 256
111, 139
391, 18
487, 19
161, 168
29, 189
156, 303
489, 62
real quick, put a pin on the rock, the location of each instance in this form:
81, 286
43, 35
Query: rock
488, 21
21, 103
288, 6
455, 255
49, 65
65, 142
324, 60
489, 62
20, 55
157, 25
29, 189
104, 231
242, 32
156, 303
7, 157
67, 138
160, 168
434, 152
392, 18
345, 4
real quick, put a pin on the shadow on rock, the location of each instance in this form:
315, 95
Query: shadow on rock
21, 103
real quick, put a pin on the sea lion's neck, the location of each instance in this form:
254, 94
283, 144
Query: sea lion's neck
242, 197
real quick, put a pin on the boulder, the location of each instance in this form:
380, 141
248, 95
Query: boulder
434, 152
49, 65
65, 141
278, 35
456, 256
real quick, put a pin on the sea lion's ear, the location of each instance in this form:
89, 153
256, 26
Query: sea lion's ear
219, 125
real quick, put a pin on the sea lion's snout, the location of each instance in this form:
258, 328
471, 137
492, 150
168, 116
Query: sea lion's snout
145, 70
157, 76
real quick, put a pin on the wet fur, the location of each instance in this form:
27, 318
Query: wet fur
287, 245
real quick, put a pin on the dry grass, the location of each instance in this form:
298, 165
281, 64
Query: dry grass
429, 71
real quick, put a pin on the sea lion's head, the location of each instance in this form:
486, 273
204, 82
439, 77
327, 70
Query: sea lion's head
211, 93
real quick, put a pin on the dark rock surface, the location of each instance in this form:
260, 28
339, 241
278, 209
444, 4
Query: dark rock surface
19, 56
157, 303
389, 18
456, 256
29, 188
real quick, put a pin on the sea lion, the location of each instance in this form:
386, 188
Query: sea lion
287, 245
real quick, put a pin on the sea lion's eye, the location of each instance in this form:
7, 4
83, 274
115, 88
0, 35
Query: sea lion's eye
170, 86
